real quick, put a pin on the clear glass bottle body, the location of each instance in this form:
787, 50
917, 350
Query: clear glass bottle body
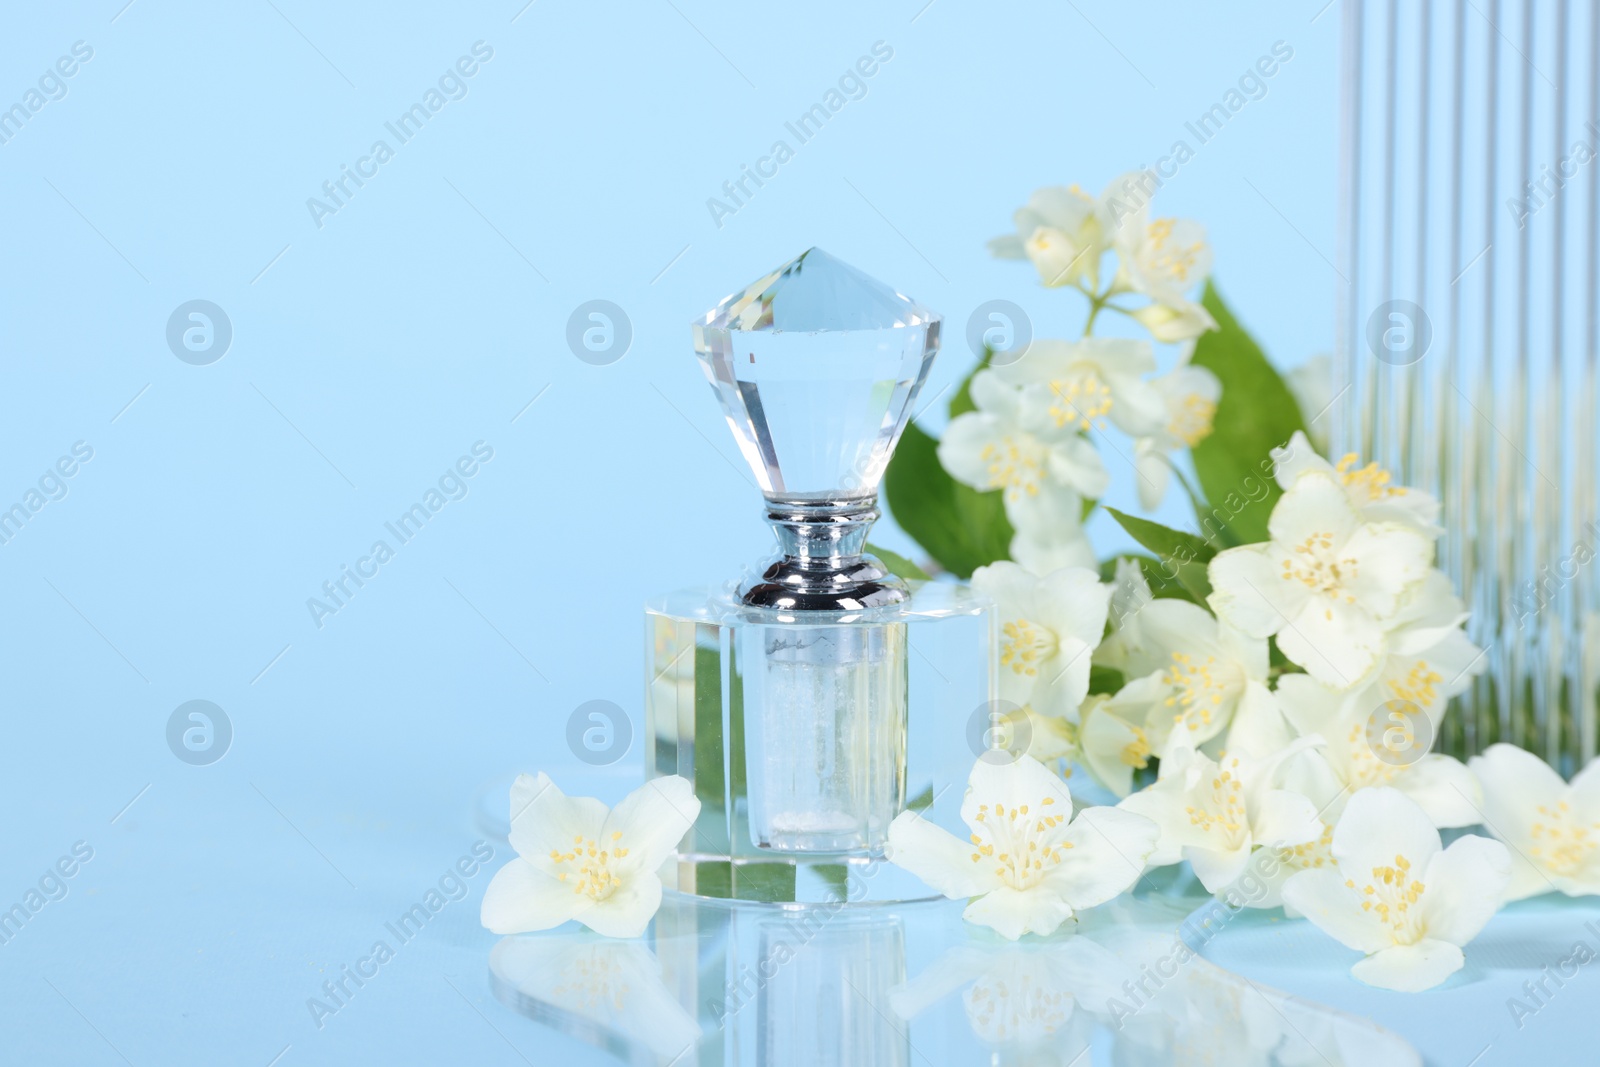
825, 733
804, 739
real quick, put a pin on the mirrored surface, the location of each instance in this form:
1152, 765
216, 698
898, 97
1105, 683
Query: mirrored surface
718, 983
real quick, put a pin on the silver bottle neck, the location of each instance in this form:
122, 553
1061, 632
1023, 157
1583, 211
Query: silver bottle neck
822, 563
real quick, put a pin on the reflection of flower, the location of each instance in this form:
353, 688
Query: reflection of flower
1030, 864
616, 984
1016, 995
1397, 896
1048, 628
578, 860
1553, 828
1213, 813
1326, 584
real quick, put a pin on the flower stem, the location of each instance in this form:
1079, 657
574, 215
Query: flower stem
1095, 304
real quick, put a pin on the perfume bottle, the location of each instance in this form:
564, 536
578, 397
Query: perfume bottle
795, 712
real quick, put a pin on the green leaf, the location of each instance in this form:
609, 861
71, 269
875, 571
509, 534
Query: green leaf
959, 527
1104, 679
1256, 414
898, 565
1164, 541
1180, 556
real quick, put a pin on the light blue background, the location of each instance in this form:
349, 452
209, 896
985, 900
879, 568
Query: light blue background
370, 353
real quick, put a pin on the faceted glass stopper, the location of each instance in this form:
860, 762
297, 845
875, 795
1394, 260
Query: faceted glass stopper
817, 367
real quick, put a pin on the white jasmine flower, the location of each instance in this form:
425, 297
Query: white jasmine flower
1369, 742
1396, 896
576, 859
1055, 737
1213, 813
1162, 258
1553, 828
1079, 385
1428, 658
1060, 231
1114, 738
1369, 488
1041, 468
1327, 583
1261, 886
1196, 673
1030, 863
1110, 740
1048, 628
1190, 394
1312, 385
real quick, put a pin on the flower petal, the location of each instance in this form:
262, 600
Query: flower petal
1073, 601
1173, 625
1218, 868
1338, 643
544, 819
1012, 913
1466, 883
1076, 464
961, 449
1316, 506
1007, 787
1258, 729
1154, 472
1312, 707
1295, 458
1283, 819
652, 820
1108, 853
938, 857
1410, 968
1390, 560
1163, 805
1320, 894
1006, 247
1379, 824
1516, 784
626, 912
522, 898
1585, 790
1249, 591
1110, 737
1444, 788
1046, 549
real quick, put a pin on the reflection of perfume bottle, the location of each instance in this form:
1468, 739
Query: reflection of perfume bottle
802, 676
